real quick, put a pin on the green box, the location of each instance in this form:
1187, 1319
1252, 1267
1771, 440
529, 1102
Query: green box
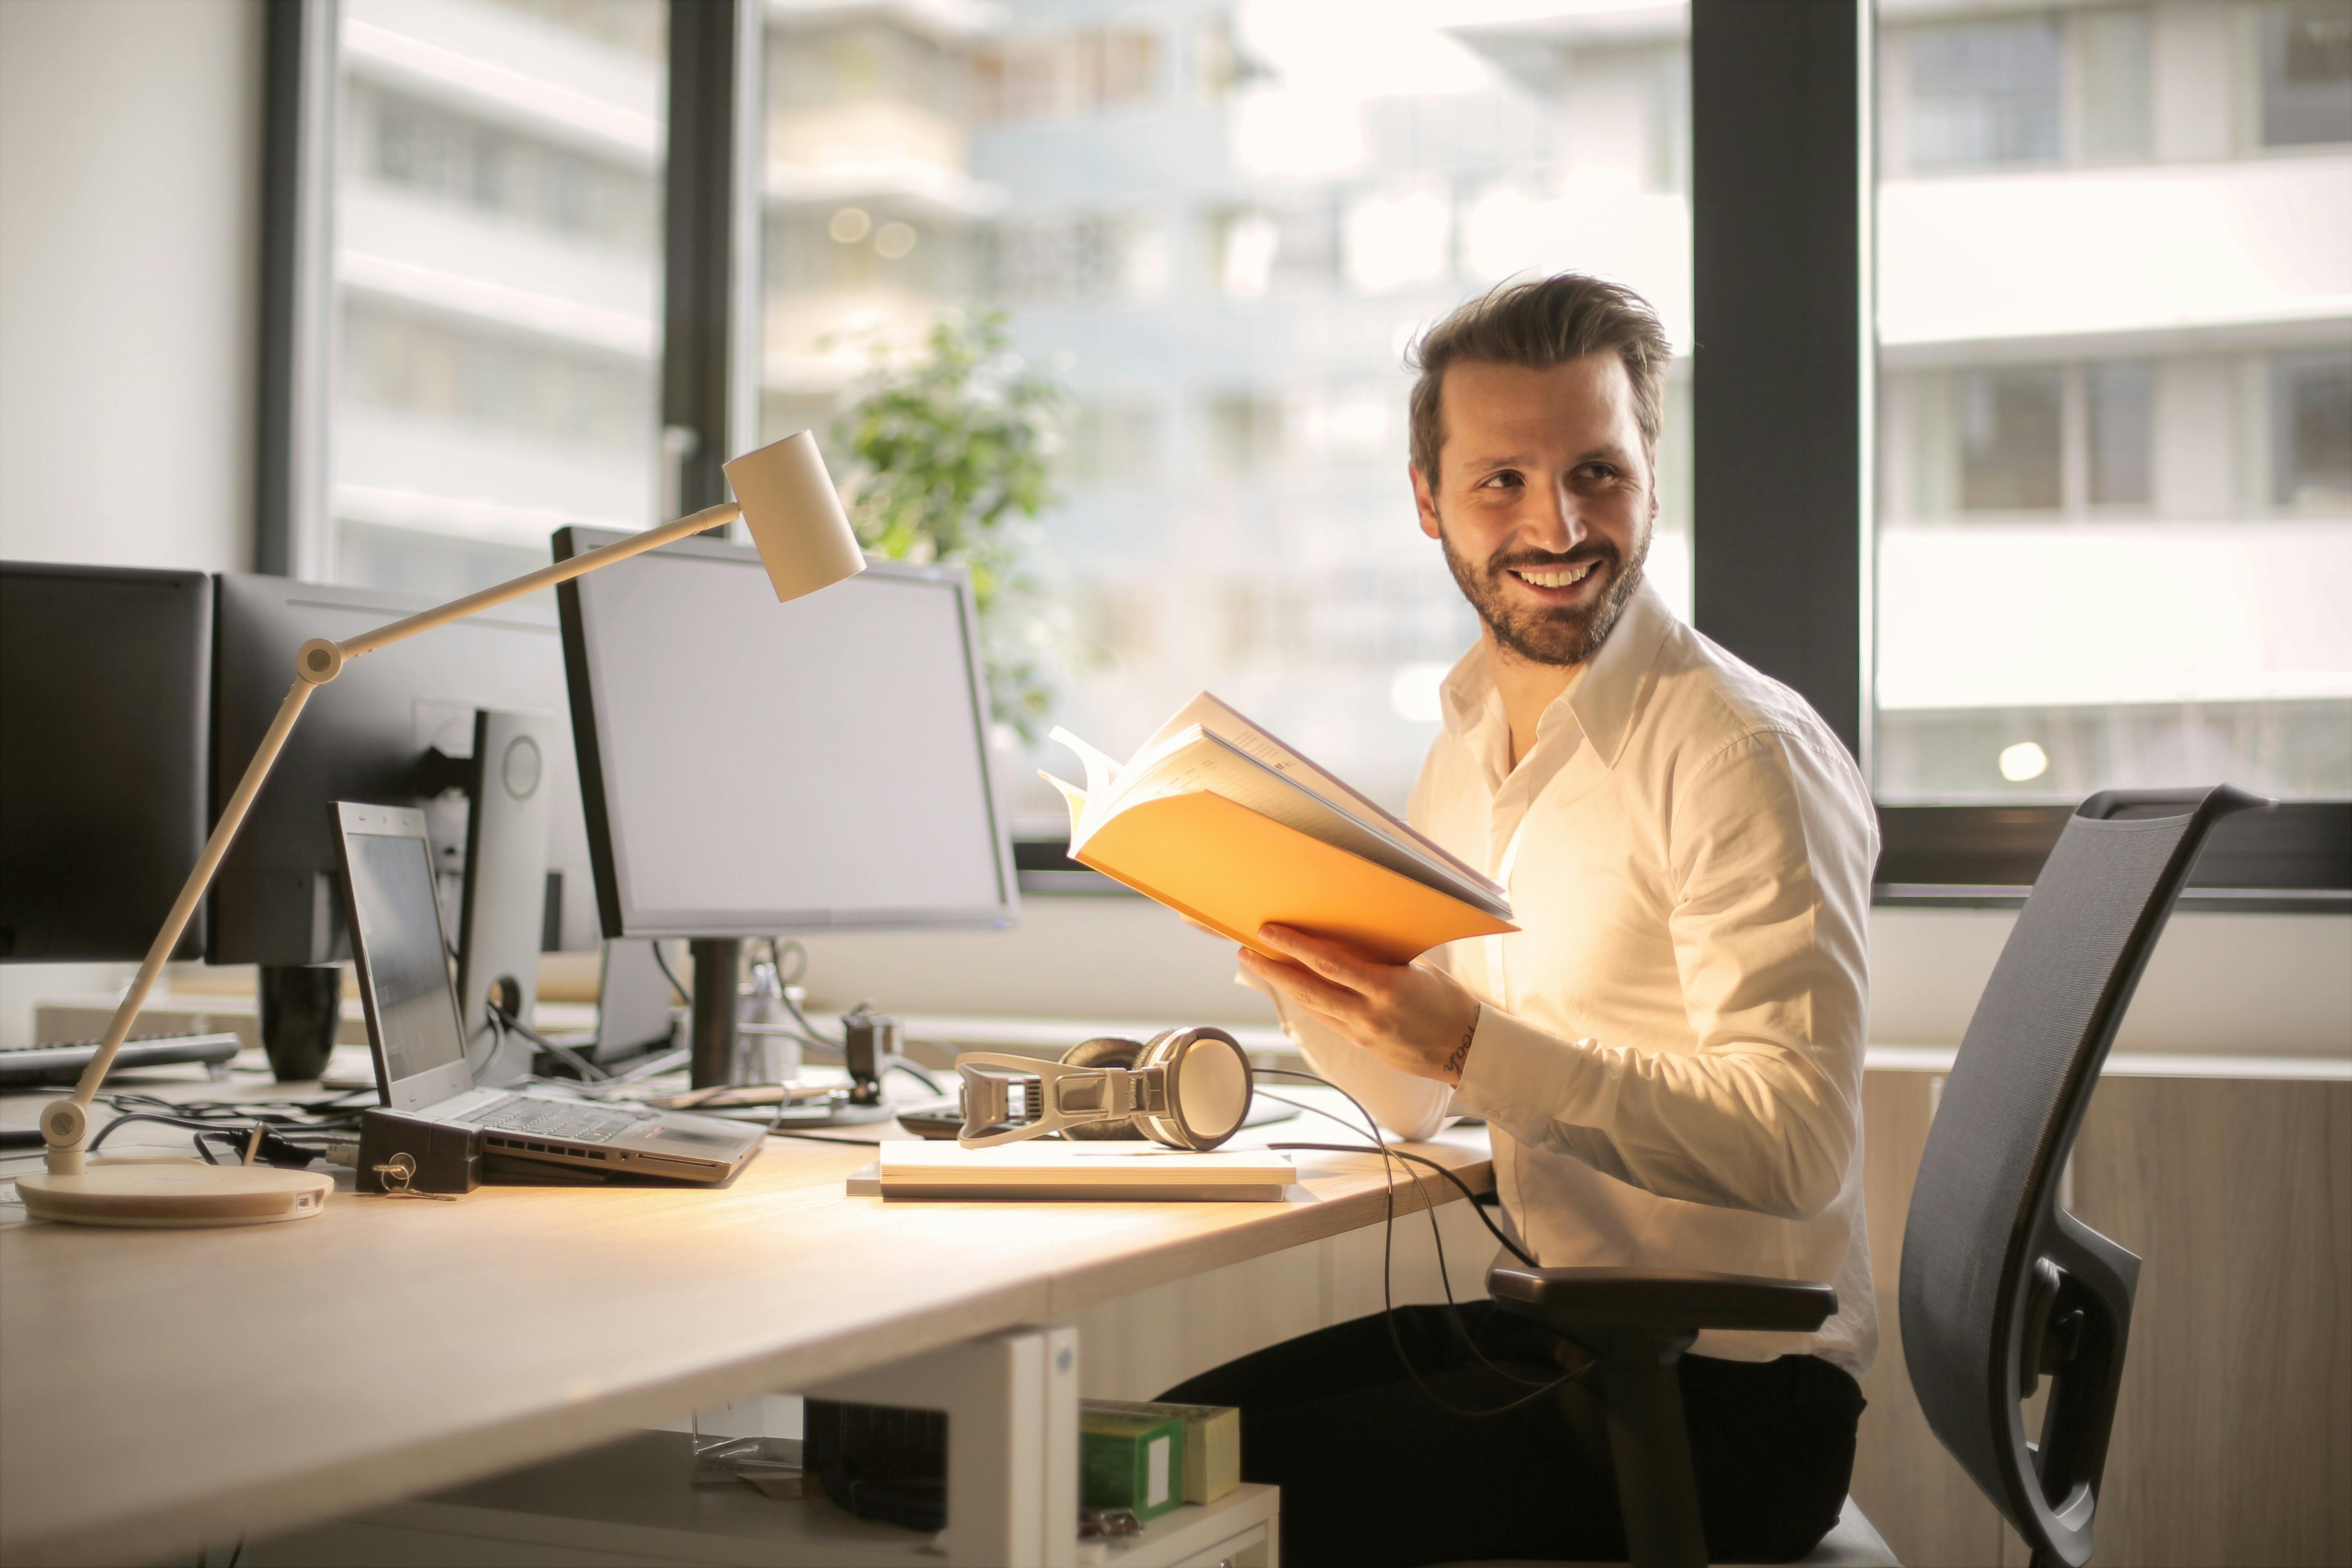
1213, 1441
1130, 1461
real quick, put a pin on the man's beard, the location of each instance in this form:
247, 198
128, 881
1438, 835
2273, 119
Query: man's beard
1557, 635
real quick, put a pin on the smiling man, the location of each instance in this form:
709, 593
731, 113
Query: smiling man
1668, 1053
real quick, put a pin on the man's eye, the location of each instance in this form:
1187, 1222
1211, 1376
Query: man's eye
1506, 480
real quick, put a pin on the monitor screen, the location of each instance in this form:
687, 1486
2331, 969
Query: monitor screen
364, 737
407, 965
749, 767
105, 719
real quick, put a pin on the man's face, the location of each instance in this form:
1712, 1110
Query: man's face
1544, 502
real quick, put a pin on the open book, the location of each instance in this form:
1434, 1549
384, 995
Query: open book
1223, 822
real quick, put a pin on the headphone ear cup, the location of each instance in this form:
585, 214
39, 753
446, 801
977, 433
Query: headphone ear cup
1209, 1087
1104, 1051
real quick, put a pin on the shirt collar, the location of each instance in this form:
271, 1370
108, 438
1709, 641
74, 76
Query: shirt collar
1605, 698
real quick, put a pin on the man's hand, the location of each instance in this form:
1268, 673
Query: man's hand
1415, 1019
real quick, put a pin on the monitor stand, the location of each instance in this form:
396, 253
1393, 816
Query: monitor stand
711, 1037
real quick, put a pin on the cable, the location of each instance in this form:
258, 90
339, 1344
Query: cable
1387, 1251
662, 959
589, 1071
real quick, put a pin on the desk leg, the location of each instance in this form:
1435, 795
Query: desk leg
1011, 1403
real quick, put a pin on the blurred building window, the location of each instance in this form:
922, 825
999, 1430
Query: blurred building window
498, 284
2163, 351
2305, 47
1985, 92
1088, 70
2312, 396
1114, 442
2011, 423
2121, 399
2113, 64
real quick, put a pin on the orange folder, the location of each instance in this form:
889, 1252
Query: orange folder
1234, 871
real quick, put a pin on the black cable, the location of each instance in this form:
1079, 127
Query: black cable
589, 1071
1387, 1251
1437, 1234
1513, 1247
822, 1138
662, 959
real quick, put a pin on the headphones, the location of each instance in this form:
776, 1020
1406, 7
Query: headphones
1185, 1088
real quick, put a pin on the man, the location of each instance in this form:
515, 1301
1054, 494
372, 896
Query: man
1668, 1053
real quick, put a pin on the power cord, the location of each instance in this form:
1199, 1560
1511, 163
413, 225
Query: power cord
1380, 1145
589, 1071
661, 960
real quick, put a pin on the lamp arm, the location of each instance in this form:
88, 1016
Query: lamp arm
701, 521
64, 1123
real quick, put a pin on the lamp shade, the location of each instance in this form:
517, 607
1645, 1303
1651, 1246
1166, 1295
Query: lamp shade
794, 516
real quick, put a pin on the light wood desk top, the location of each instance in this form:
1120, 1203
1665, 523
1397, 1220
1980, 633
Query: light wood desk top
160, 1390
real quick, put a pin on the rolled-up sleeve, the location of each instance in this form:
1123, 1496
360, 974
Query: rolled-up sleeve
1770, 854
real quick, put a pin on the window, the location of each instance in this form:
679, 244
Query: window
1985, 92
497, 278
2305, 47
2312, 423
2114, 510
1223, 230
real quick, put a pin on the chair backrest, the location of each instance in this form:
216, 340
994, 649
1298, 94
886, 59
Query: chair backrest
1998, 1284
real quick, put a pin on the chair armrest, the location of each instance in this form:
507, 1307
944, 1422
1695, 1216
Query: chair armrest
1659, 1299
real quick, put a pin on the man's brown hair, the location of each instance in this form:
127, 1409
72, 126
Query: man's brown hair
1540, 323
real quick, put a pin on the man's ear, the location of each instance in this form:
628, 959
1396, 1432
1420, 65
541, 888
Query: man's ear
1425, 502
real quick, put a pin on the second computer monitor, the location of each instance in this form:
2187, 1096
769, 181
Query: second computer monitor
749, 767
366, 737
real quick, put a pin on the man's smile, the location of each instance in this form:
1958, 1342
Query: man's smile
1556, 584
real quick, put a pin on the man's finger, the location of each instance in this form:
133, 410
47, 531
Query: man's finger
1302, 985
1327, 958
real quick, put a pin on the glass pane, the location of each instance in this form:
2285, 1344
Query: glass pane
2114, 508
497, 275
1220, 229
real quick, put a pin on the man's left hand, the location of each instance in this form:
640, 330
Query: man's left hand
1417, 1020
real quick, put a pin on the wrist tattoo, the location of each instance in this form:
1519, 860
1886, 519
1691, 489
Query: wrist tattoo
1461, 1052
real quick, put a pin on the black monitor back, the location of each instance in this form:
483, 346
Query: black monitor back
104, 724
364, 737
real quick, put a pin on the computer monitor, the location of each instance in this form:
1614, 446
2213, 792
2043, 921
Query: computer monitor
369, 736
105, 704
750, 768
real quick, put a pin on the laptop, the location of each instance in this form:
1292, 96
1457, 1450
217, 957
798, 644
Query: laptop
403, 956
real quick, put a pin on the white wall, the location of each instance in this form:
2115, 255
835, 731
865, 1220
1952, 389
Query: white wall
129, 192
130, 224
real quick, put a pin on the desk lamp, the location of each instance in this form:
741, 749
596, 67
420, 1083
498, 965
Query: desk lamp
794, 516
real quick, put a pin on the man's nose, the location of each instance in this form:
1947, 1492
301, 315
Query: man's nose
1557, 523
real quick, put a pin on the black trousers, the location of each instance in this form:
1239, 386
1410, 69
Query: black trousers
1375, 1472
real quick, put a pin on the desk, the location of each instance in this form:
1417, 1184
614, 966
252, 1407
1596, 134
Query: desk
161, 1391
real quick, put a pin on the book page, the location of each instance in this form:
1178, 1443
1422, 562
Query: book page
1206, 762
1218, 718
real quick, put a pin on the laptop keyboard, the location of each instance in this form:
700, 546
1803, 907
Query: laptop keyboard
567, 1120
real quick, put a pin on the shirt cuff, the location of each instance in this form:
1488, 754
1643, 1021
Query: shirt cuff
1517, 1073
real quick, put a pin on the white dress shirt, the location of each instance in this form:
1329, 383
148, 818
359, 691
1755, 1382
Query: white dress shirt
1669, 1050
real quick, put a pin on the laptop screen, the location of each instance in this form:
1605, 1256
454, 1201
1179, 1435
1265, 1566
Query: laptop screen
407, 966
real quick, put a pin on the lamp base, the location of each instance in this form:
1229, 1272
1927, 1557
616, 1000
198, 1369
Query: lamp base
173, 1194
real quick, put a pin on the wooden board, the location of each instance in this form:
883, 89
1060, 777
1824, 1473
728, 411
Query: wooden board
246, 1382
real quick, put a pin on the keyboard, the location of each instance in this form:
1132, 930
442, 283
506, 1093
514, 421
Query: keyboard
64, 1062
568, 1119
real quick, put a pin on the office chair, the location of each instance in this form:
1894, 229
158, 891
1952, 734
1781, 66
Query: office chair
2000, 1286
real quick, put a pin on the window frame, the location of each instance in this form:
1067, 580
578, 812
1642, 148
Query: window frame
1782, 195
